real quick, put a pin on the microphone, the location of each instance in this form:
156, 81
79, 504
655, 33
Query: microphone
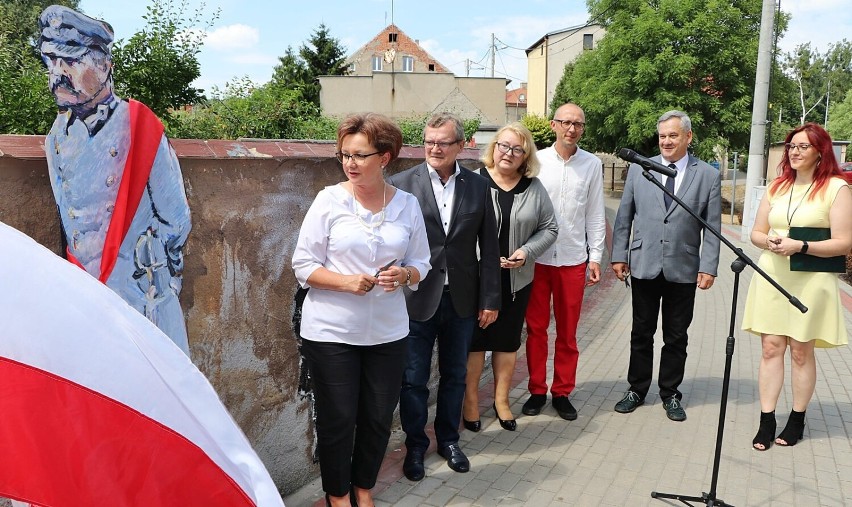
645, 162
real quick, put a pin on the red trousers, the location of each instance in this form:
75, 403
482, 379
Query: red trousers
566, 284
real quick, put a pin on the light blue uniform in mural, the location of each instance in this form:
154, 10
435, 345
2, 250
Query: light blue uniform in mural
86, 158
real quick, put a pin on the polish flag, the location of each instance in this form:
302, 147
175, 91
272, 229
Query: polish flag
98, 407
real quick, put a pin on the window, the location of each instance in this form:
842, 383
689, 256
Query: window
431, 67
408, 64
377, 63
391, 37
351, 68
588, 41
522, 98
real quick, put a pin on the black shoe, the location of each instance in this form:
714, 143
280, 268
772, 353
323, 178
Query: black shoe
674, 409
793, 431
534, 404
507, 424
629, 403
412, 467
564, 408
765, 432
456, 459
473, 426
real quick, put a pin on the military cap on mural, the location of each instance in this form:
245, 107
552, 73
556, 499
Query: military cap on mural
66, 33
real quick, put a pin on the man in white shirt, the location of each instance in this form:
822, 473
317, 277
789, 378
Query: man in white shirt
574, 181
462, 291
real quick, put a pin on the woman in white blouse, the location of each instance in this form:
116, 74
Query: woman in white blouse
361, 241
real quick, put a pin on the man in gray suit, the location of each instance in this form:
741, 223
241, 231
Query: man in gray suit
462, 290
669, 254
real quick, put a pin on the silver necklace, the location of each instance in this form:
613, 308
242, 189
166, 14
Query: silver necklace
372, 224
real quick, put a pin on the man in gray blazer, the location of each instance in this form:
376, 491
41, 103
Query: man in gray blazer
461, 291
668, 255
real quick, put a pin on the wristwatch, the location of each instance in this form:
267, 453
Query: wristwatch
804, 246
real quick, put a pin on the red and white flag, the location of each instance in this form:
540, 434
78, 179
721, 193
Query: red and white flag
98, 406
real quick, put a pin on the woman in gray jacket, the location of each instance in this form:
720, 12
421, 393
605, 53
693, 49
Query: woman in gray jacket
527, 227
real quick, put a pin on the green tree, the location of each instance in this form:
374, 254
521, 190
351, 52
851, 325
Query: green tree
323, 55
539, 127
840, 125
695, 55
246, 110
26, 104
818, 78
158, 64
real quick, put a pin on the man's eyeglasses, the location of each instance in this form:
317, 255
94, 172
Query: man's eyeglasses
567, 124
439, 144
798, 147
514, 150
359, 159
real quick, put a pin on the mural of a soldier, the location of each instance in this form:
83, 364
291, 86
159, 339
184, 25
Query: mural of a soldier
115, 177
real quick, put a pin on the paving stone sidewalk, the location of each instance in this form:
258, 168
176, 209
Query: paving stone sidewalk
610, 459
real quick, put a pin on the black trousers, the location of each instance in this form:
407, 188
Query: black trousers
356, 389
677, 301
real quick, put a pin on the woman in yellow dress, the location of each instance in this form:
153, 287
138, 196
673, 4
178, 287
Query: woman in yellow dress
810, 192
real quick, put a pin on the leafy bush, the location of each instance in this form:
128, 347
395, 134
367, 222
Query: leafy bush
539, 126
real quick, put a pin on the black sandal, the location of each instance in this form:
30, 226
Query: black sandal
765, 432
793, 431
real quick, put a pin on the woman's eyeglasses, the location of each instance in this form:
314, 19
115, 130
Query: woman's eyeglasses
359, 159
515, 150
798, 147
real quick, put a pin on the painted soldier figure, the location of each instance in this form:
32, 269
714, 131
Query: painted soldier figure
115, 177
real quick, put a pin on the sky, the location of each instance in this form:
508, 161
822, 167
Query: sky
249, 35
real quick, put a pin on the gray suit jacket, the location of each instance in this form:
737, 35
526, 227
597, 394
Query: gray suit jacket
669, 241
474, 280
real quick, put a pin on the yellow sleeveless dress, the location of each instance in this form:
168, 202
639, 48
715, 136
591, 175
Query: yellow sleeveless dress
766, 310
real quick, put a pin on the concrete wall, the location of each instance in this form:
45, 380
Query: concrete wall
401, 95
248, 200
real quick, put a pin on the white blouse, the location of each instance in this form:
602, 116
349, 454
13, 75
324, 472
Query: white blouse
332, 236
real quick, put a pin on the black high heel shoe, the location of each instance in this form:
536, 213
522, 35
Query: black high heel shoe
765, 432
507, 424
793, 431
473, 426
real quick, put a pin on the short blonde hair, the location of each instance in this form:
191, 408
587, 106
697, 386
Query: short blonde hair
529, 167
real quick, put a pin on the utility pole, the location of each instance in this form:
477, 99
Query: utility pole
493, 54
757, 142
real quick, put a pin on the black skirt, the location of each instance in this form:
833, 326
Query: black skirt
504, 334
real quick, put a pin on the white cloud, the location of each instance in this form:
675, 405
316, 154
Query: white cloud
232, 38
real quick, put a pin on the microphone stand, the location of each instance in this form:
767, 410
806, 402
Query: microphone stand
709, 499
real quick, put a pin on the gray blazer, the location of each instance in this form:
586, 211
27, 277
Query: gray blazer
669, 241
532, 228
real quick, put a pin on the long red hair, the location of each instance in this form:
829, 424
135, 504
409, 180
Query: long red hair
827, 166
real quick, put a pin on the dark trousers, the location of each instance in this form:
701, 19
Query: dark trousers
356, 389
678, 301
454, 335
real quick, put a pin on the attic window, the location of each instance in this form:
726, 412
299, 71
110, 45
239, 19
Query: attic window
377, 63
522, 98
588, 41
408, 64
391, 37
431, 67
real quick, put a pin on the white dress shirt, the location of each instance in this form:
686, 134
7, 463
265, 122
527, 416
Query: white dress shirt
575, 187
332, 237
680, 167
444, 196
